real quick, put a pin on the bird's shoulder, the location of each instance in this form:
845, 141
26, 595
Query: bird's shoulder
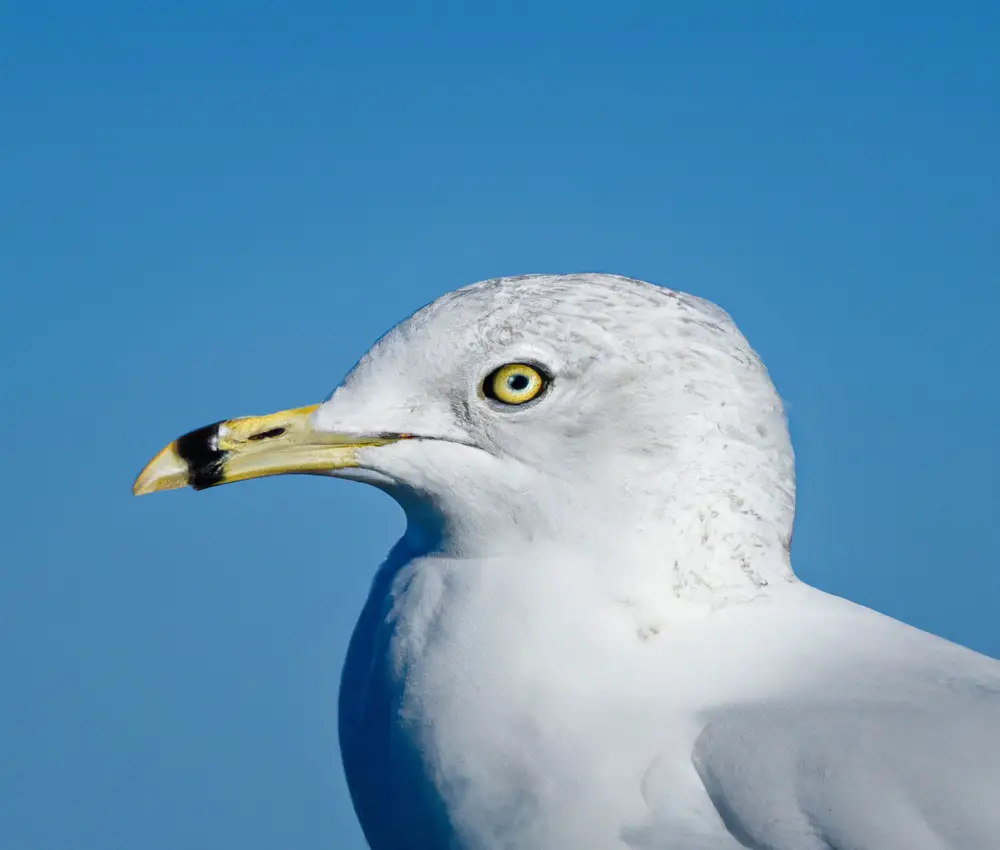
866, 733
857, 772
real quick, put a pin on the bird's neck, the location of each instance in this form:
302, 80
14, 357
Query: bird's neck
706, 528
699, 553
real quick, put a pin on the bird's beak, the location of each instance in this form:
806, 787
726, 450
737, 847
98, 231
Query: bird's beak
252, 447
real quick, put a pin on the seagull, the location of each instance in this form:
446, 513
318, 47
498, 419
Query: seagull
590, 635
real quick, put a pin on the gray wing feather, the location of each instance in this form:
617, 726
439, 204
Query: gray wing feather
857, 776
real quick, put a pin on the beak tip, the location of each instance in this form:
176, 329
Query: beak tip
143, 488
167, 471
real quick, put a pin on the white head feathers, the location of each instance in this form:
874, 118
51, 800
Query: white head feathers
660, 436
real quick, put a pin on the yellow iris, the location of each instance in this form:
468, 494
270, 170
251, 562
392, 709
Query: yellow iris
514, 383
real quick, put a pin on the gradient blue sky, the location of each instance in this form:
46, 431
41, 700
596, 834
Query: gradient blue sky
213, 209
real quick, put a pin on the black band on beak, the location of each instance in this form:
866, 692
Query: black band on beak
199, 449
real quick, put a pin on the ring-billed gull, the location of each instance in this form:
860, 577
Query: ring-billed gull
590, 634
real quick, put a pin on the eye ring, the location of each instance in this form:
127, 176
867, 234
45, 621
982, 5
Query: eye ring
515, 383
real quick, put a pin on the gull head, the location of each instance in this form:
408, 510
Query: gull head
587, 411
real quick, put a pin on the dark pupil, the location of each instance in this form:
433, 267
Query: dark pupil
518, 382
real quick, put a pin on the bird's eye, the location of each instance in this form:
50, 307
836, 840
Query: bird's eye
514, 383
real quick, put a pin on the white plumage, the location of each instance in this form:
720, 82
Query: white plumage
591, 636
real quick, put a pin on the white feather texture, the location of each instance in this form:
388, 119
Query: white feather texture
590, 635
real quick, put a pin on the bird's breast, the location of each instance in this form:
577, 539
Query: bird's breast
474, 705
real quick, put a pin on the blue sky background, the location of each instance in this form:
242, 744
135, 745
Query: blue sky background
211, 209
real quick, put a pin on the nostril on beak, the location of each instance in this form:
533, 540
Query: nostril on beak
266, 435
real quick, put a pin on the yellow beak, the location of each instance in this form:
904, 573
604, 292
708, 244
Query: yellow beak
252, 447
